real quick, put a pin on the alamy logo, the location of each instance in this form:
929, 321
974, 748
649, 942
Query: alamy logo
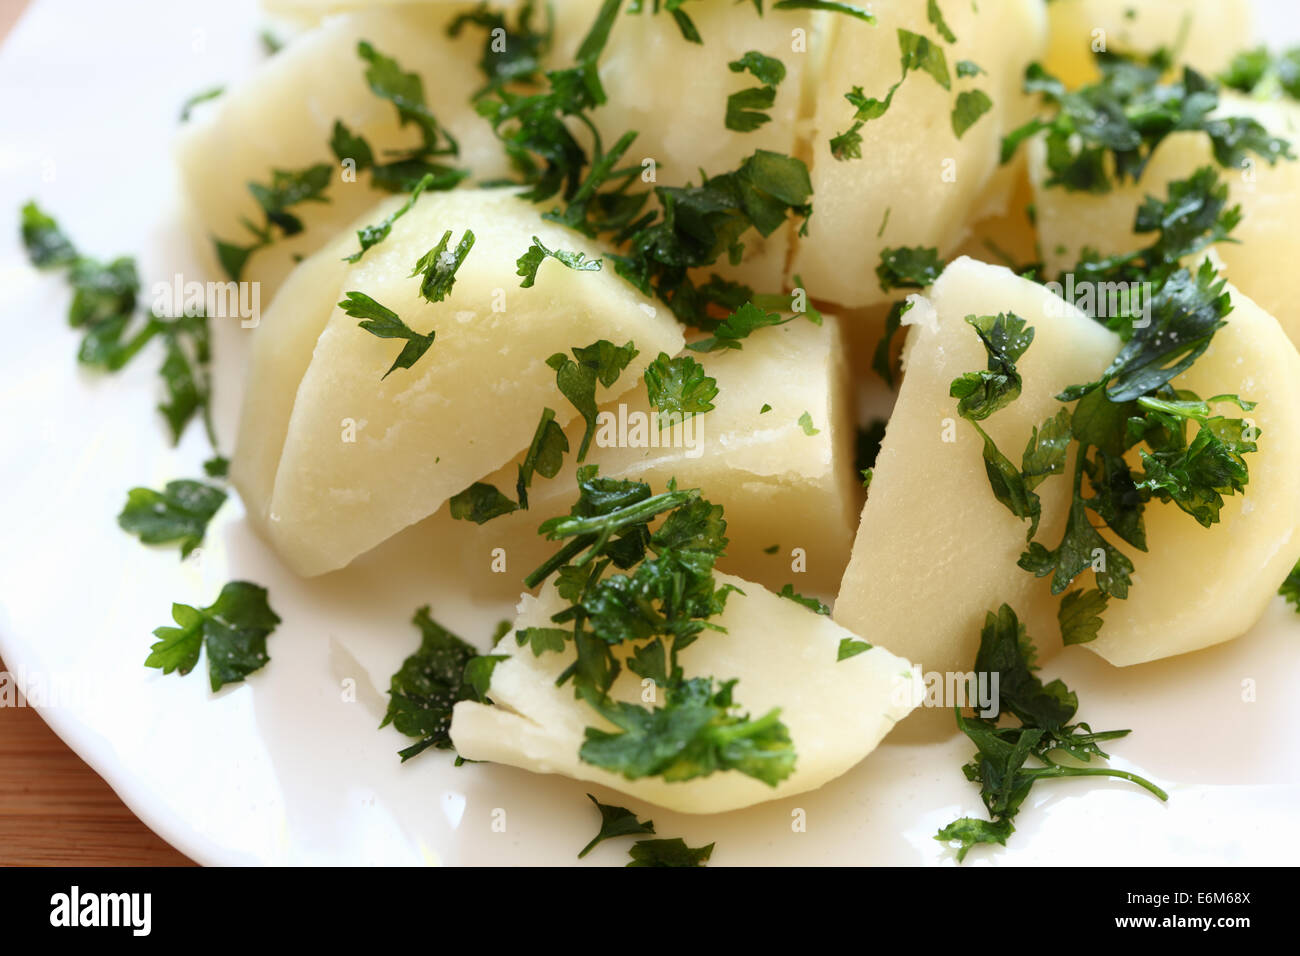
637, 429
217, 300
1105, 300
75, 908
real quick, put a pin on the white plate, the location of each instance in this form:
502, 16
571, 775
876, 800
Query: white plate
288, 768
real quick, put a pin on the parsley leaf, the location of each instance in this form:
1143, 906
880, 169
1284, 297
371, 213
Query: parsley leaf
439, 266
384, 323
731, 331
851, 647
1108, 131
46, 245
970, 106
1290, 588
829, 6
428, 685
480, 503
1043, 713
806, 423
672, 852
744, 108
201, 97
908, 267
372, 235
935, 16
234, 630
510, 54
693, 735
615, 822
531, 261
811, 603
180, 512
576, 379
678, 388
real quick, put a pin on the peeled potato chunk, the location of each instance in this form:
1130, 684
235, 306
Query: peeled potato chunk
781, 488
912, 163
1259, 263
783, 655
1196, 587
935, 550
282, 116
363, 456
1202, 33
680, 117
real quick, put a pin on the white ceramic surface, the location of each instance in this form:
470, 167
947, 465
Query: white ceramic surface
289, 767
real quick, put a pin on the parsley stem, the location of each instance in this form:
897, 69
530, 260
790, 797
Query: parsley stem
726, 735
1057, 771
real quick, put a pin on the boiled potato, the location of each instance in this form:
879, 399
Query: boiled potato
779, 486
1260, 263
363, 456
1195, 586
673, 93
282, 116
912, 163
935, 550
784, 656
1202, 33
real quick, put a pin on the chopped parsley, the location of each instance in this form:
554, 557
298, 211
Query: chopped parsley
1260, 73
372, 235
615, 822
104, 302
431, 682
411, 170
382, 322
745, 108
179, 513
851, 647
1191, 453
287, 189
202, 97
537, 253
233, 629
651, 592
1290, 588
439, 265
806, 423
811, 603
1043, 712
908, 267
510, 54
678, 388
1107, 132
917, 53
735, 328
672, 852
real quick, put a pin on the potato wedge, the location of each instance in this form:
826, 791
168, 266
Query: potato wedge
679, 112
1259, 263
282, 116
364, 456
784, 656
1203, 33
935, 550
912, 162
778, 485
1196, 587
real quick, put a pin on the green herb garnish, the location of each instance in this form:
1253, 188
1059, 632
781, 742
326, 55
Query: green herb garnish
1044, 734
234, 630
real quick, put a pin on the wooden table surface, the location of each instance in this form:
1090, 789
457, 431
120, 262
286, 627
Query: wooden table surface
55, 810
